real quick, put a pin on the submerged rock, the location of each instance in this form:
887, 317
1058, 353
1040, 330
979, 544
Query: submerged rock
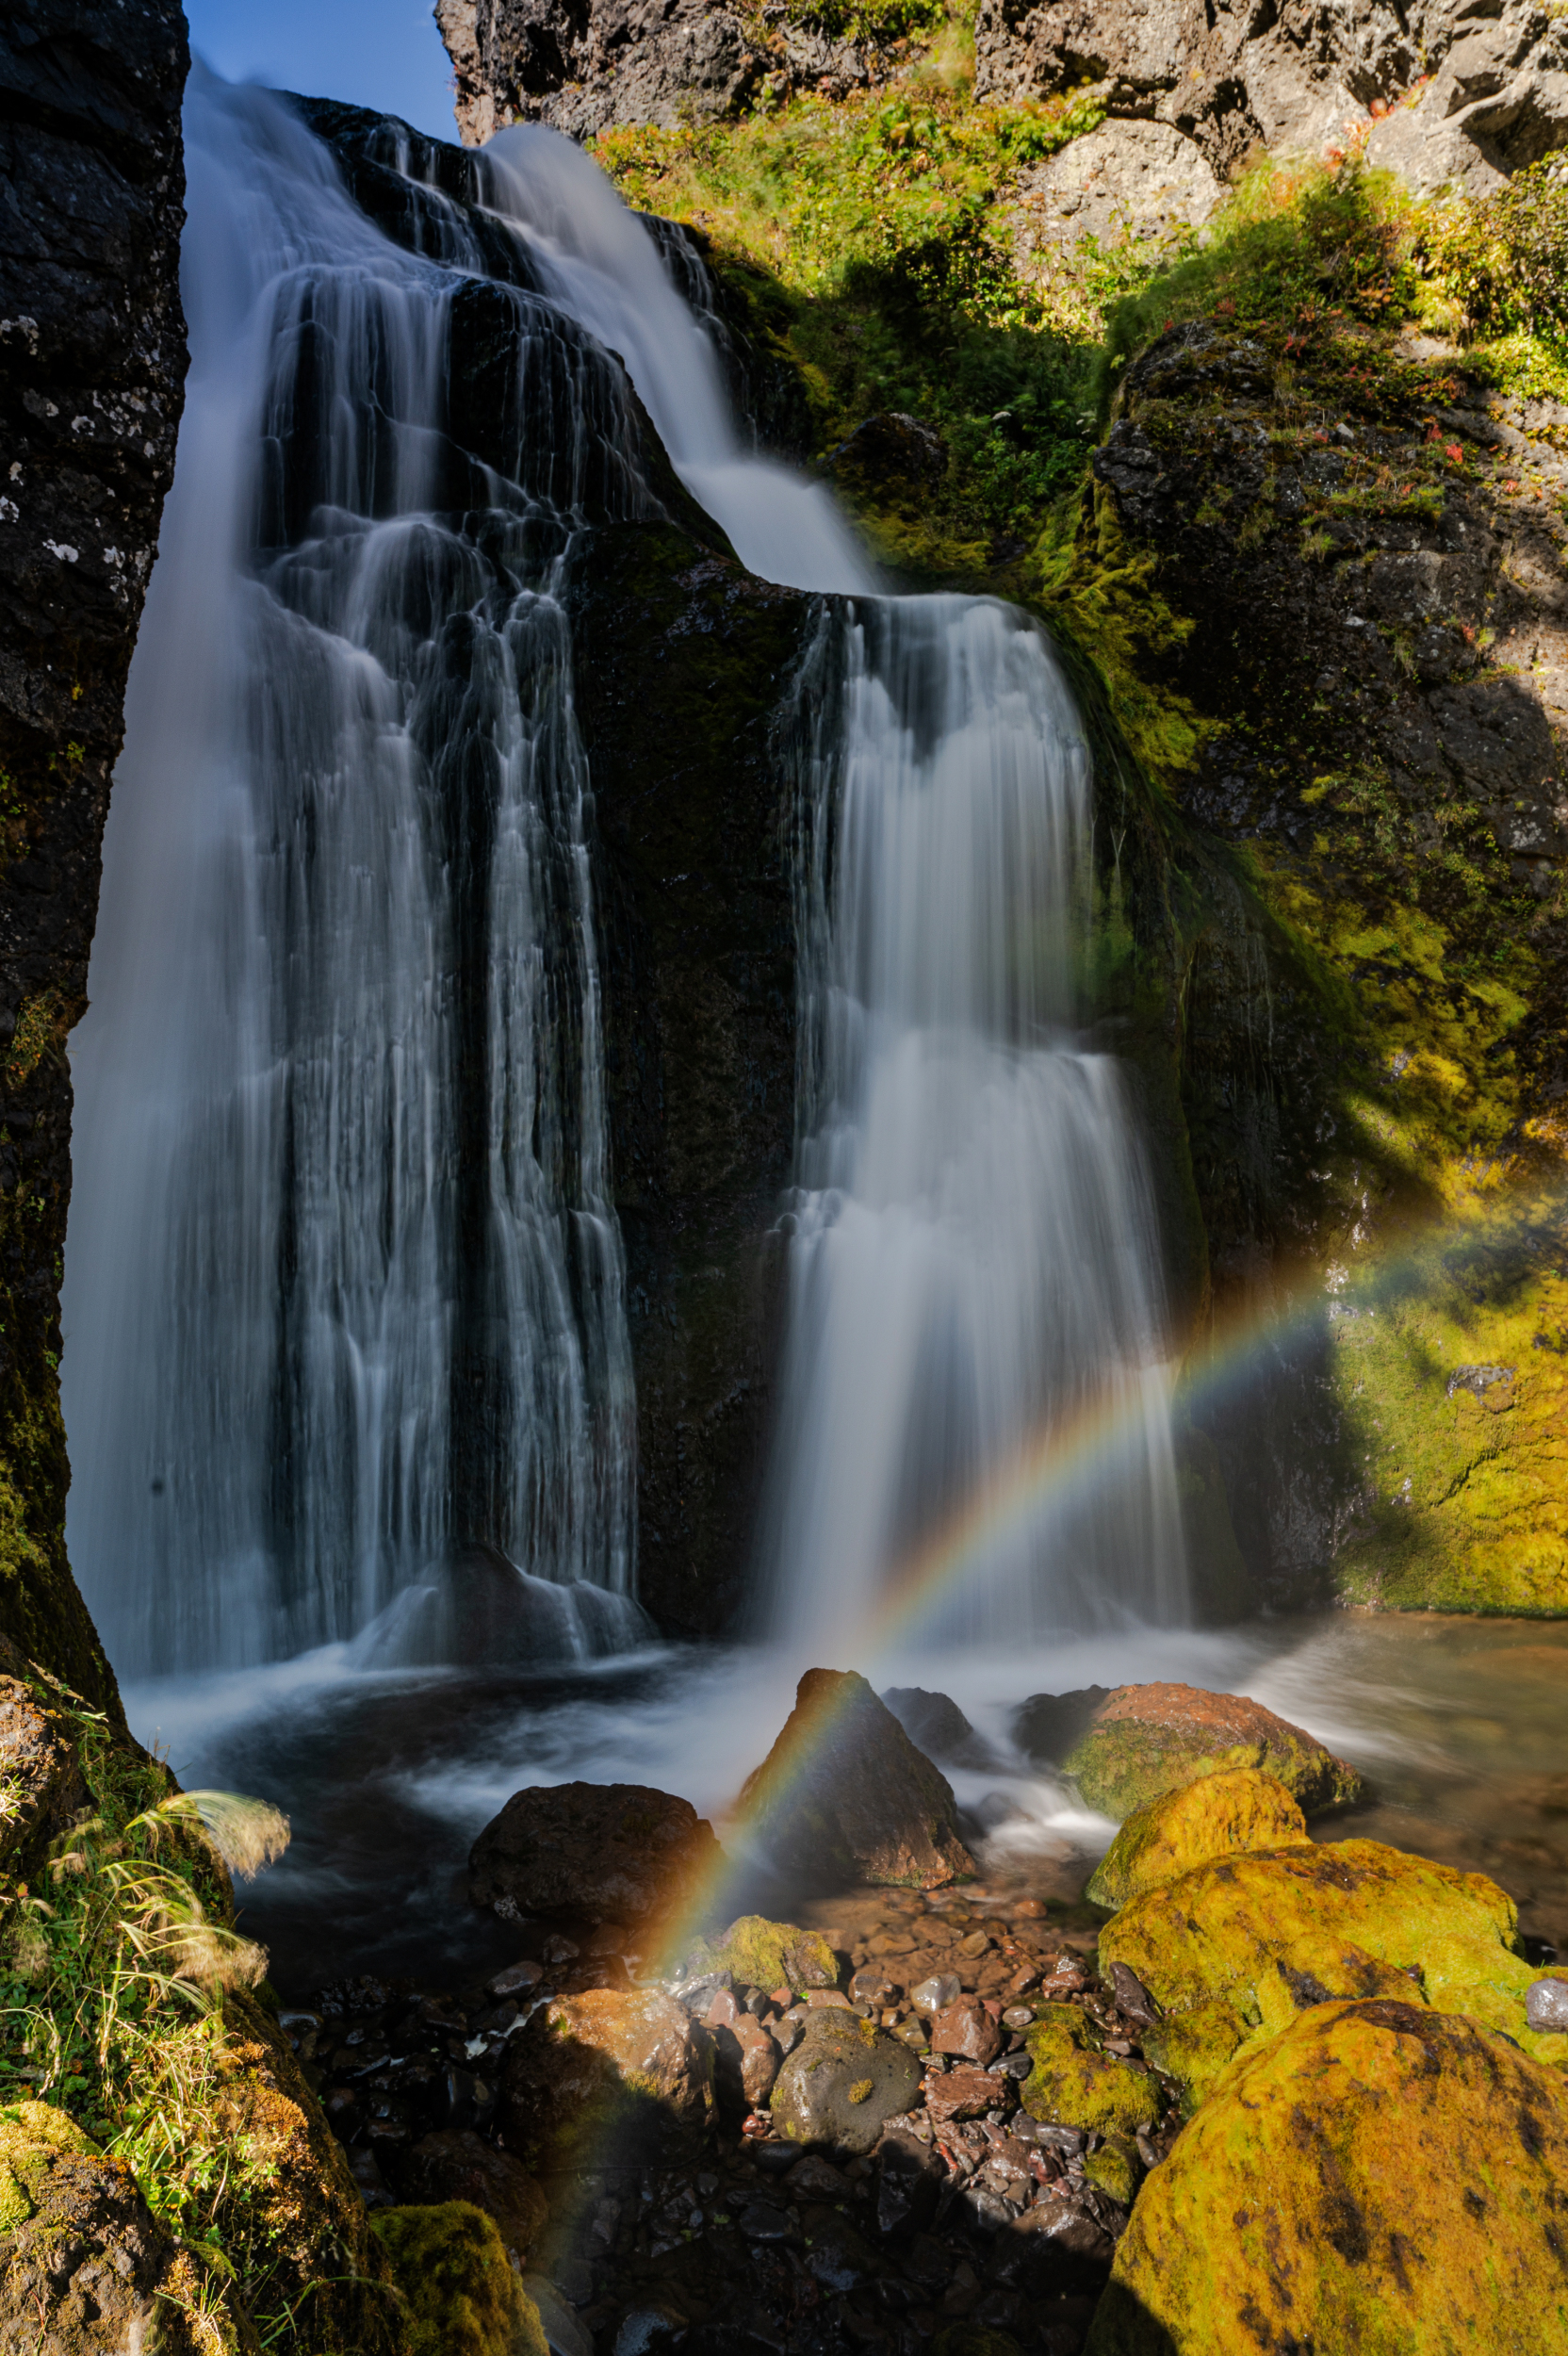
1219, 1814
615, 1852
1275, 1934
1381, 2176
842, 2081
937, 1727
844, 1796
607, 2071
1143, 1740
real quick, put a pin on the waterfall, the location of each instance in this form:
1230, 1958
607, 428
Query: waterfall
976, 1333
344, 1297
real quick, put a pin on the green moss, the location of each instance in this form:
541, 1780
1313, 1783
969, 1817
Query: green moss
460, 2295
1380, 2179
32, 2134
1197, 2046
1273, 1934
1212, 1817
1117, 2168
1124, 1763
764, 1955
1074, 2084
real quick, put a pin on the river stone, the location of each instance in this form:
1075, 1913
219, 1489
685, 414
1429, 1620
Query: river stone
843, 2079
746, 2063
1278, 1932
1149, 1738
966, 2028
608, 2070
455, 2164
843, 1795
1381, 2176
1238, 1809
605, 1851
1074, 2084
1546, 2005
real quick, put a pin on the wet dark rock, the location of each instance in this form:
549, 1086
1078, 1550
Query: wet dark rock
1048, 1726
838, 2257
841, 2082
934, 1994
1131, 1994
844, 1794
967, 2094
747, 2062
937, 1727
92, 361
618, 1851
761, 2222
457, 2164
605, 2070
911, 2176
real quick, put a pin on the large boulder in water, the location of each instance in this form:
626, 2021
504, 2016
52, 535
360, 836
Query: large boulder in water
1381, 2176
1219, 1816
597, 1852
843, 1795
1124, 1748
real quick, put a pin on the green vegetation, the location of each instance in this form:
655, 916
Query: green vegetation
127, 2012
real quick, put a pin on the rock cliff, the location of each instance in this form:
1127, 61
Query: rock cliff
93, 345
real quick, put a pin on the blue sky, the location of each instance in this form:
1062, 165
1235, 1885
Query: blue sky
384, 54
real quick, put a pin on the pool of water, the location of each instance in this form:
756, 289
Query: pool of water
1459, 1725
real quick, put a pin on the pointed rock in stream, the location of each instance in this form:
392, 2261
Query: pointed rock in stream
844, 1796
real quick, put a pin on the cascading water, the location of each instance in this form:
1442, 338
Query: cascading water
345, 1287
975, 1332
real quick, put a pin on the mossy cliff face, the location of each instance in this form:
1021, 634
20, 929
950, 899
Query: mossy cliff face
93, 346
1329, 614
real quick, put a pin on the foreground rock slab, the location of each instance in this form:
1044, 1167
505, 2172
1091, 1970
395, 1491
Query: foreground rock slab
1380, 2177
843, 1795
603, 1852
1141, 1740
1216, 1817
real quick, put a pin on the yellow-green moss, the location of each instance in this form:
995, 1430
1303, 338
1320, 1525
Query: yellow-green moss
1212, 1817
1073, 2083
1124, 1763
758, 1953
1379, 2179
1276, 1933
1117, 2168
462, 2297
1196, 2048
32, 2134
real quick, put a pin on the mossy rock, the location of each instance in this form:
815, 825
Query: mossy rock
758, 1953
1383, 2178
461, 2298
1073, 2083
1117, 2168
1238, 1809
32, 2136
1196, 2048
1149, 1738
1280, 1932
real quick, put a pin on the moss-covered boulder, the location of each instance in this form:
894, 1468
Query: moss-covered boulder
1237, 1810
461, 2296
1382, 2178
758, 1953
1149, 1738
1275, 1934
1196, 2048
80, 2253
1073, 2082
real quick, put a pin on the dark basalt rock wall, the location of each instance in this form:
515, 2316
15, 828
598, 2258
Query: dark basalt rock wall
92, 341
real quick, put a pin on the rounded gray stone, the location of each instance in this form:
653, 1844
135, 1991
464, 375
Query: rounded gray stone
1546, 2005
842, 2080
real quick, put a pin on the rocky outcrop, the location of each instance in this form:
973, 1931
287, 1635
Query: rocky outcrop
590, 63
1143, 1740
605, 1853
1379, 2171
843, 1795
93, 346
1464, 96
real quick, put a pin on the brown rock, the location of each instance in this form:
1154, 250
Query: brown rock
844, 1794
605, 2069
457, 2164
966, 2028
617, 1852
1129, 1745
964, 2094
747, 2062
39, 1761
